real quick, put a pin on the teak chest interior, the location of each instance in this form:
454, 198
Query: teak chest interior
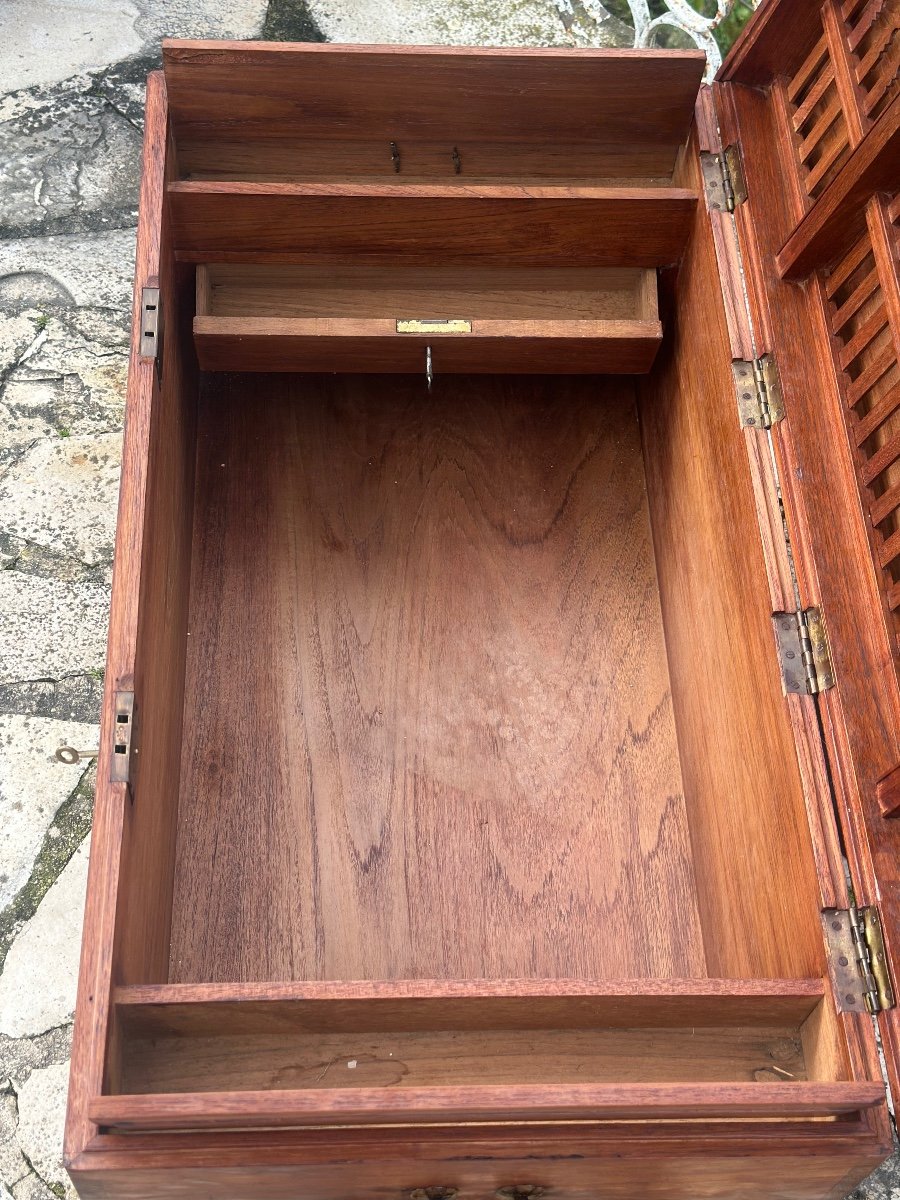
501, 742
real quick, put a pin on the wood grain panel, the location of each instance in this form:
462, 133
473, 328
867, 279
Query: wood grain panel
199, 1010
148, 864
266, 1062
360, 289
553, 226
457, 162
91, 1031
682, 1170
442, 743
445, 94
424, 1106
739, 764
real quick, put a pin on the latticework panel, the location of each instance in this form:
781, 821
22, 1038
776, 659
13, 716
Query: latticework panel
863, 309
873, 39
844, 84
822, 139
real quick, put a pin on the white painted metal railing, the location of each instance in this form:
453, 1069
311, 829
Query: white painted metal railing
583, 18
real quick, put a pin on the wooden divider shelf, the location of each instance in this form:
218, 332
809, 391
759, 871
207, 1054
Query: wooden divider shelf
350, 316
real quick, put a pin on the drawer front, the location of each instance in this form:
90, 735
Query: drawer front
678, 1171
625, 347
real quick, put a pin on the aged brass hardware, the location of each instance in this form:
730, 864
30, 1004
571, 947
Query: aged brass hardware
433, 326
723, 179
70, 756
735, 185
803, 651
150, 323
878, 964
758, 390
857, 959
120, 765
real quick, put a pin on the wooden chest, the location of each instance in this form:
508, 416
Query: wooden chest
500, 766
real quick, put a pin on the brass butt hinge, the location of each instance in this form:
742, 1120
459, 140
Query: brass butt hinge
857, 960
151, 326
757, 387
123, 728
723, 179
803, 651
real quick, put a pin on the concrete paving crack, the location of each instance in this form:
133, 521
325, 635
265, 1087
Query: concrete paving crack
16, 456
72, 823
54, 1188
124, 115
29, 350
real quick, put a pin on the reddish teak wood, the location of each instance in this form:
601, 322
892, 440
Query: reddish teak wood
873, 166
832, 544
384, 1106
887, 792
460, 734
501, 223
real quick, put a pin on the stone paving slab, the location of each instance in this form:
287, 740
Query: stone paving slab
33, 785
50, 628
64, 495
37, 987
49, 42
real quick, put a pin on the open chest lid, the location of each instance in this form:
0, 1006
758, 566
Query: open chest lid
803, 134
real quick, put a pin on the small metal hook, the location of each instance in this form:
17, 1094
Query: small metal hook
69, 755
457, 161
395, 157
429, 372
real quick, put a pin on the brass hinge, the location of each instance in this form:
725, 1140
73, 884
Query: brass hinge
151, 326
803, 651
857, 960
757, 387
123, 726
723, 179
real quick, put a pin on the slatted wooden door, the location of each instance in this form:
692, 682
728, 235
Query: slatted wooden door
862, 299
841, 88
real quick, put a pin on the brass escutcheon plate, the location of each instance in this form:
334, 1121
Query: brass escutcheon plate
433, 326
